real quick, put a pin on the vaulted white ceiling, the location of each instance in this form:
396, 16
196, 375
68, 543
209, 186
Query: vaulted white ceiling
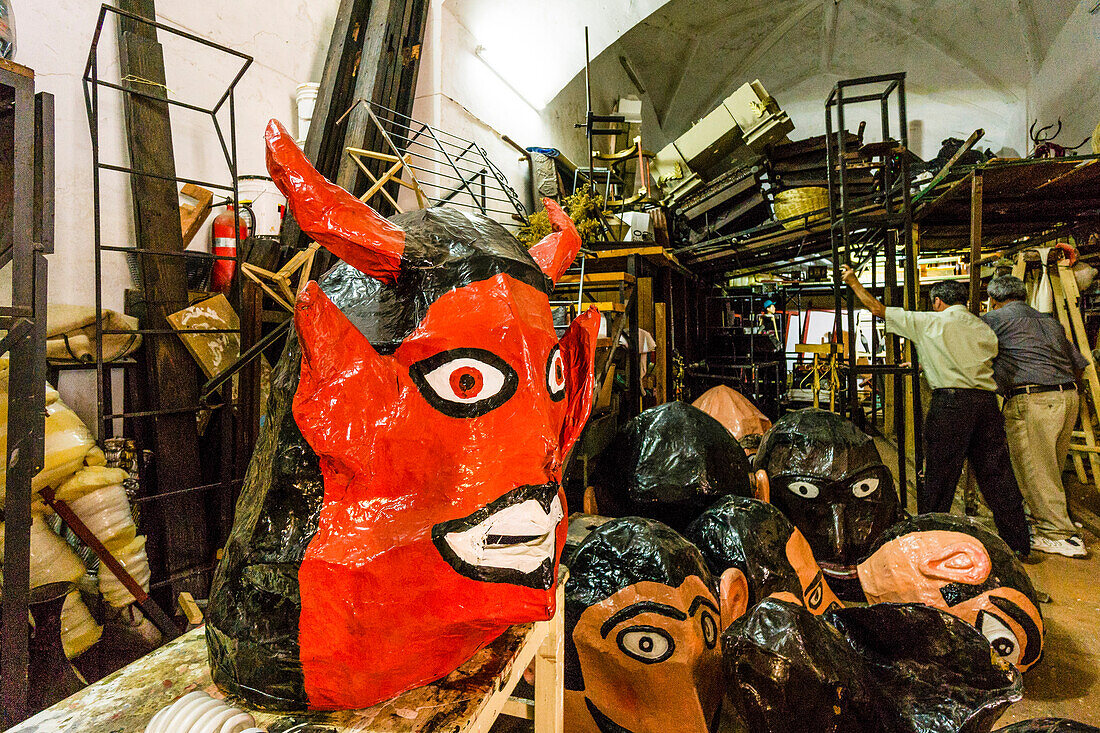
966, 60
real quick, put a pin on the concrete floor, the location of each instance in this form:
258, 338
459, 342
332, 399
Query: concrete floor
1066, 681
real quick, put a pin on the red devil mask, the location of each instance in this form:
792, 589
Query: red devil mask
441, 445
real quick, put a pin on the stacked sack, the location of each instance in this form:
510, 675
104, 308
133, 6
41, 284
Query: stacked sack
96, 495
75, 468
53, 561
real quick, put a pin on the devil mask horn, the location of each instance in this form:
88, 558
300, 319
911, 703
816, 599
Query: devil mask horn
557, 250
346, 226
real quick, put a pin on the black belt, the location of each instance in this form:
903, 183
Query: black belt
1037, 388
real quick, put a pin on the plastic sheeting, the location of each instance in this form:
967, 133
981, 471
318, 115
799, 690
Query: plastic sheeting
402, 506
1049, 725
828, 478
881, 669
670, 463
758, 541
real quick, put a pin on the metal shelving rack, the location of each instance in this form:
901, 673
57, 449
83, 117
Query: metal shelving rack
890, 226
227, 140
26, 236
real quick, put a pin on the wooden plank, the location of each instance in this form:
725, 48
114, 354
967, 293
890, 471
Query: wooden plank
1063, 306
596, 277
177, 527
466, 701
192, 216
660, 332
550, 671
975, 240
645, 303
605, 307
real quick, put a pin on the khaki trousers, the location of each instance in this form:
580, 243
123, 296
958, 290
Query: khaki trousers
1039, 427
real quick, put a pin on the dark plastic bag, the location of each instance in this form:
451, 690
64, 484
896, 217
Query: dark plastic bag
670, 463
881, 669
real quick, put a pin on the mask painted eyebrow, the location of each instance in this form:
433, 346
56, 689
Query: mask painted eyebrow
639, 608
1031, 630
701, 601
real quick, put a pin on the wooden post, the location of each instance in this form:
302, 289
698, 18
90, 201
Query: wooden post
975, 240
550, 671
660, 320
179, 524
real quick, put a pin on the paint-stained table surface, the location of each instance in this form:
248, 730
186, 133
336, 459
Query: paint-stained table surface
125, 701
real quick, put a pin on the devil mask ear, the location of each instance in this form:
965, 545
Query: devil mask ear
557, 250
346, 226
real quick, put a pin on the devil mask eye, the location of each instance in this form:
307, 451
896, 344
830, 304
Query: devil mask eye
464, 382
865, 487
555, 374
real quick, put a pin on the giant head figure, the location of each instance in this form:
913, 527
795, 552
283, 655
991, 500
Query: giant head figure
827, 477
641, 646
955, 564
737, 413
756, 553
888, 668
403, 505
670, 463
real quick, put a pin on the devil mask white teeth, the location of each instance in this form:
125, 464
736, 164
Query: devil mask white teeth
511, 540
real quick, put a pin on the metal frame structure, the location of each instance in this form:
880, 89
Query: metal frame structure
27, 236
449, 169
228, 143
889, 225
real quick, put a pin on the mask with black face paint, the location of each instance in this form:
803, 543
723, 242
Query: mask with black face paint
751, 540
827, 477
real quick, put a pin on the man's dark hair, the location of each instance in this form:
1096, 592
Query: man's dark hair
1006, 287
617, 555
951, 292
751, 536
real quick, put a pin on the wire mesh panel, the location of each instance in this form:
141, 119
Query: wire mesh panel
449, 169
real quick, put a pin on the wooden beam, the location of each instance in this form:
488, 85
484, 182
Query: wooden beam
179, 524
976, 179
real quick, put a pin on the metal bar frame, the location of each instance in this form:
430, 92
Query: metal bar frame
32, 125
896, 226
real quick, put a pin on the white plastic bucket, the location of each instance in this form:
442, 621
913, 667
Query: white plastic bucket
265, 200
306, 97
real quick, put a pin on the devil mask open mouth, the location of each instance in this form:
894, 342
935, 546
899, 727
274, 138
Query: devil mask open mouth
510, 540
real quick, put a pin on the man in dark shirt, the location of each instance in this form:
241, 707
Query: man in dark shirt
1036, 369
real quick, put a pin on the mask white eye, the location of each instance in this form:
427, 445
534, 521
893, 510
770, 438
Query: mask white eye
804, 489
555, 374
710, 629
647, 644
464, 382
865, 487
999, 636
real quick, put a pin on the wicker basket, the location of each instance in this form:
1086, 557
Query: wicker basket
796, 202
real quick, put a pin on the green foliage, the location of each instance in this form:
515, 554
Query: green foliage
582, 207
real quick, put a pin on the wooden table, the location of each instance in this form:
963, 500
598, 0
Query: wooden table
466, 701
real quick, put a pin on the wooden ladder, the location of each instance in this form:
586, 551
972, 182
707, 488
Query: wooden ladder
1067, 303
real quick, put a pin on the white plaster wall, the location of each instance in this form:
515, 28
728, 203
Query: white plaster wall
1065, 85
288, 40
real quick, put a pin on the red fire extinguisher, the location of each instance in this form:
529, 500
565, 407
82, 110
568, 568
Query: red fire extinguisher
225, 245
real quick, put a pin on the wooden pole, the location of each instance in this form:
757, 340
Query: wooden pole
975, 240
